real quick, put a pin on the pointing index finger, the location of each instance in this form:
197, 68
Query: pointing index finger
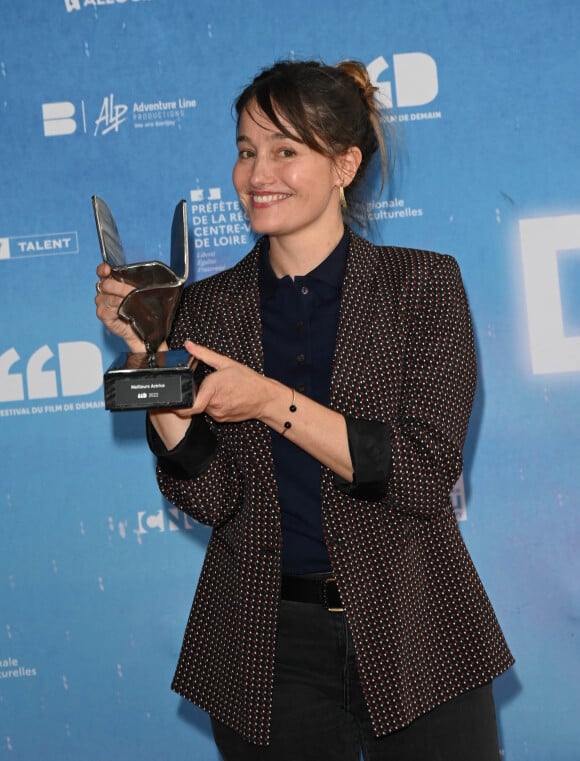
207, 356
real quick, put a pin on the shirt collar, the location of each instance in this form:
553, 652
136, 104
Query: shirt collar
329, 271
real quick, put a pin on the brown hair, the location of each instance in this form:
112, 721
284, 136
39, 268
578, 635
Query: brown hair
330, 108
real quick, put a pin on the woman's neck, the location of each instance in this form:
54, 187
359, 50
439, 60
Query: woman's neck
298, 254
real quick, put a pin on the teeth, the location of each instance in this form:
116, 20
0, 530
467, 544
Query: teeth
268, 199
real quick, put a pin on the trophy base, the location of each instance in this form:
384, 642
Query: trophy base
142, 381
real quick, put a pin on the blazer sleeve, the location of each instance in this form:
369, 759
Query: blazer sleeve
202, 475
436, 392
212, 494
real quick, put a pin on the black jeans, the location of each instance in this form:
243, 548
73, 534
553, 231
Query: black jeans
319, 713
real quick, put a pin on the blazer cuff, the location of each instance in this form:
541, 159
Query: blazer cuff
369, 442
191, 456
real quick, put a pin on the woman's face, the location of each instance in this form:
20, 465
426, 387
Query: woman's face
285, 187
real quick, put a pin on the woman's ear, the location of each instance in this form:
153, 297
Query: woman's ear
347, 165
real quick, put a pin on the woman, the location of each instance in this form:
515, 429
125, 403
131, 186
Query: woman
338, 608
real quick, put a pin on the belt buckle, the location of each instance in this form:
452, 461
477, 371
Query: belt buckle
325, 596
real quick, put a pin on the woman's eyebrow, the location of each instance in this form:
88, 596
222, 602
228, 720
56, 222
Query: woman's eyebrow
272, 136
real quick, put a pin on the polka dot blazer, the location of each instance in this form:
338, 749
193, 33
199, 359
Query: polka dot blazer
423, 627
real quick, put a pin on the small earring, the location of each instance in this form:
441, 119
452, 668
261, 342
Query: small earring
343, 202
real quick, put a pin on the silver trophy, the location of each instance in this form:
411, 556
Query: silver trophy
150, 379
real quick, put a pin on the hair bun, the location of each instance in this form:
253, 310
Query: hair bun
359, 73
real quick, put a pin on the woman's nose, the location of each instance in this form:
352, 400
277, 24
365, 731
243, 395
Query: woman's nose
261, 170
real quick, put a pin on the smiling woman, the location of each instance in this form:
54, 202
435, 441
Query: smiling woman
290, 191
338, 610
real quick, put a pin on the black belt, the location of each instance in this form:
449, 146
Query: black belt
320, 591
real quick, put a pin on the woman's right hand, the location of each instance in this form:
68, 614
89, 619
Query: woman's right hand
110, 294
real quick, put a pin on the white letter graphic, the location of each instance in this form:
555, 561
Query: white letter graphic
541, 239
58, 119
11, 386
81, 368
41, 383
385, 92
415, 79
4, 248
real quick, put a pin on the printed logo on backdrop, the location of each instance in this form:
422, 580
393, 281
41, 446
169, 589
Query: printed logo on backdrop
550, 251
12, 668
44, 244
409, 81
58, 118
46, 382
77, 5
221, 231
110, 115
169, 520
392, 208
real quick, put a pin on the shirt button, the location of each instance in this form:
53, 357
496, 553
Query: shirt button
301, 388
304, 290
299, 325
300, 359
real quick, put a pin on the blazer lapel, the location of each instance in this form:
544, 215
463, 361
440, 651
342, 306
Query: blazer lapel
355, 324
241, 337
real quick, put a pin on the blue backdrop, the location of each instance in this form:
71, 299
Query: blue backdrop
131, 100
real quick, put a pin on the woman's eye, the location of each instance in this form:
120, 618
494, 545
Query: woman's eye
245, 154
287, 152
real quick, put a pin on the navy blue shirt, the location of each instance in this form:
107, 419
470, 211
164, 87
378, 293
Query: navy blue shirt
299, 326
